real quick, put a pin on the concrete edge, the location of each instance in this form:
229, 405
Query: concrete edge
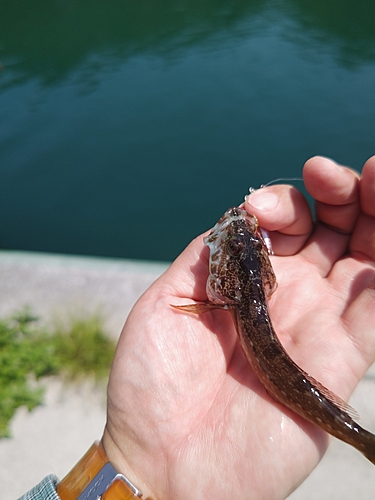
83, 261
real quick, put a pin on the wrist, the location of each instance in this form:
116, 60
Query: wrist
123, 465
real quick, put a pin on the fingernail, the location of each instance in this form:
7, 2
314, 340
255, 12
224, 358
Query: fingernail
263, 201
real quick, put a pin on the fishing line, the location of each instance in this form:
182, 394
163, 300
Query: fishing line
274, 181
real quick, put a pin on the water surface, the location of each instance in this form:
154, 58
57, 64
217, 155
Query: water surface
127, 128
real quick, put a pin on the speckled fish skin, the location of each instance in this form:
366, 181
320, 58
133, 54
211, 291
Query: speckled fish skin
241, 280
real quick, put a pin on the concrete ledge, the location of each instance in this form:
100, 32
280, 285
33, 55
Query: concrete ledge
54, 285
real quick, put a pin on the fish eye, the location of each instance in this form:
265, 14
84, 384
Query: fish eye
235, 246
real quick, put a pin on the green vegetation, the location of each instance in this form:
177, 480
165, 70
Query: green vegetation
82, 349
77, 350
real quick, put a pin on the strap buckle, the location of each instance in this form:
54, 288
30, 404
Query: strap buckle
102, 481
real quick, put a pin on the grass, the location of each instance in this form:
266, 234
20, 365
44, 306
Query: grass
76, 350
82, 349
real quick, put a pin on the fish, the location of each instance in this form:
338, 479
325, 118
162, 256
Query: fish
241, 280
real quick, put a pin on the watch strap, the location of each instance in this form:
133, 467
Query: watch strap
94, 477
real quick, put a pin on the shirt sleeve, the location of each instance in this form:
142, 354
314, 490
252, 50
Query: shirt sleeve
45, 490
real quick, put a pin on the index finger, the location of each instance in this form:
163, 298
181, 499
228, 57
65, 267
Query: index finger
367, 187
363, 239
335, 190
336, 193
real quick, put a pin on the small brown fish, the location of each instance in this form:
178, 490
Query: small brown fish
241, 280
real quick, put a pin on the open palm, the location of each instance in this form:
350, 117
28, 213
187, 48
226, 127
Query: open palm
187, 417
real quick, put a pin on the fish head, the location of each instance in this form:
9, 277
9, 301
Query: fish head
238, 256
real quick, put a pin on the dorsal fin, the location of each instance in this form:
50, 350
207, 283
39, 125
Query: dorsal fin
334, 398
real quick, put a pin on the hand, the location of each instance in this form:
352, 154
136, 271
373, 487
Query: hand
187, 418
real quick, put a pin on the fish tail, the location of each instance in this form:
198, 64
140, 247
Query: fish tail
351, 433
370, 455
366, 445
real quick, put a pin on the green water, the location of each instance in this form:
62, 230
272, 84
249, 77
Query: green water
127, 128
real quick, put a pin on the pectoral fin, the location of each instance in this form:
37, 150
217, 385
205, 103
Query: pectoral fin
199, 307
